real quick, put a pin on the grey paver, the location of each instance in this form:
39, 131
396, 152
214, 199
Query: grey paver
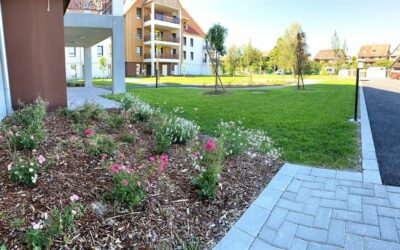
388, 212
299, 244
342, 193
363, 229
313, 185
336, 233
372, 176
316, 246
393, 189
268, 198
375, 201
285, 235
374, 244
370, 215
380, 191
289, 169
323, 172
261, 245
304, 177
276, 218
253, 219
349, 176
388, 229
331, 185
280, 182
361, 191
369, 155
311, 206
394, 199
354, 203
289, 196
333, 203
294, 186
346, 215
323, 194
303, 194
290, 205
349, 183
304, 170
367, 185
267, 234
311, 234
370, 165
353, 242
323, 218
299, 218
235, 239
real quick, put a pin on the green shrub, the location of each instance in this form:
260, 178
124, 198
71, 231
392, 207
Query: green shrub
127, 191
137, 109
207, 182
115, 121
24, 172
100, 144
31, 115
85, 113
29, 138
127, 138
162, 141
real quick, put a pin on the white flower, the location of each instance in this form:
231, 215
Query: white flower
33, 179
9, 166
38, 225
31, 170
73, 212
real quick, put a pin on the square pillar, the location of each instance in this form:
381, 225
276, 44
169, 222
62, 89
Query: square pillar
118, 48
152, 38
88, 66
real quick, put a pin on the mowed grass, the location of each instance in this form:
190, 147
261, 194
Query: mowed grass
312, 127
106, 82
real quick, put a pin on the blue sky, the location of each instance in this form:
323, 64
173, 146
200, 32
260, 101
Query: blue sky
263, 21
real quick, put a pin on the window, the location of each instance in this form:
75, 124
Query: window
184, 55
185, 25
173, 36
205, 58
184, 40
192, 56
100, 52
139, 13
139, 51
72, 52
139, 34
191, 42
173, 52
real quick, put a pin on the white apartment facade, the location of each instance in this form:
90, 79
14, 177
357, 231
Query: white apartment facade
195, 59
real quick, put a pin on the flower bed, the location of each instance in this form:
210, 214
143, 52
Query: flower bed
101, 179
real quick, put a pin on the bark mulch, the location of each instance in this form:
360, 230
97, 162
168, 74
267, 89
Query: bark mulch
172, 215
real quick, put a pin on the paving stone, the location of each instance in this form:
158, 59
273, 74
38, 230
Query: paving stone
354, 203
312, 185
388, 229
336, 233
280, 182
331, 185
311, 234
285, 235
323, 194
329, 173
394, 199
316, 246
304, 170
294, 186
299, 218
261, 245
289, 169
369, 155
311, 206
290, 205
276, 218
322, 179
353, 242
303, 194
393, 189
361, 191
342, 193
346, 215
252, 220
374, 244
235, 239
375, 201
388, 212
349, 176
268, 198
370, 165
363, 229
367, 185
267, 234
333, 203
370, 215
372, 176
368, 146
380, 191
322, 218
349, 183
304, 177
299, 244
397, 223
289, 196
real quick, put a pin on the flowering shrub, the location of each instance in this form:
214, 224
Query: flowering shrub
100, 144
238, 140
28, 138
31, 115
115, 121
41, 234
137, 109
26, 172
86, 112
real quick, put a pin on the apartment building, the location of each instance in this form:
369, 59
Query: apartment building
371, 54
161, 34
328, 56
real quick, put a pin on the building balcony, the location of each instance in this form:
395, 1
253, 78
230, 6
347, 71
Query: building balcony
163, 57
98, 7
162, 39
163, 18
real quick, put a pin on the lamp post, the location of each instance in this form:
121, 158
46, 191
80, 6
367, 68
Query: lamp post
360, 66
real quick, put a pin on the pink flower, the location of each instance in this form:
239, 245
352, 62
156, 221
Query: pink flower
116, 168
124, 182
88, 132
73, 139
128, 170
103, 156
152, 159
41, 159
38, 225
163, 162
196, 155
74, 197
210, 146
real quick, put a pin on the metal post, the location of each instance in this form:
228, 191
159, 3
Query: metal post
356, 98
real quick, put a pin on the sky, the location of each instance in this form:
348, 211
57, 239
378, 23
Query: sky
358, 22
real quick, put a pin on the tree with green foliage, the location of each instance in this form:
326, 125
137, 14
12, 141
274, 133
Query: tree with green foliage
103, 64
385, 63
216, 37
233, 59
252, 59
301, 57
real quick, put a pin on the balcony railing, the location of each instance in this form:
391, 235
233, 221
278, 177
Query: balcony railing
162, 56
164, 18
169, 39
102, 7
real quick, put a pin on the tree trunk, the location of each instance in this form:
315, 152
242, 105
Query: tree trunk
216, 71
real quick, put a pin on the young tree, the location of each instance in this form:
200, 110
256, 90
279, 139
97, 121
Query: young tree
285, 49
301, 56
103, 64
233, 59
338, 50
216, 39
252, 59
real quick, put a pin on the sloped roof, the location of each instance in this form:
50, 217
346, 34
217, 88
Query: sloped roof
396, 51
396, 64
374, 50
327, 54
193, 27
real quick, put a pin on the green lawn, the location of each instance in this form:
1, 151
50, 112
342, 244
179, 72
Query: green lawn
106, 82
310, 126
226, 80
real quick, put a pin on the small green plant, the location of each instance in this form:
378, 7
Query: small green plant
162, 141
3, 247
137, 109
127, 138
115, 121
29, 138
24, 172
100, 144
31, 115
41, 235
87, 112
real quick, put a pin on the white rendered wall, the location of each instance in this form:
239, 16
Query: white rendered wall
195, 66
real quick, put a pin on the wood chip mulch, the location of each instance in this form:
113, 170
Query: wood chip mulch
171, 216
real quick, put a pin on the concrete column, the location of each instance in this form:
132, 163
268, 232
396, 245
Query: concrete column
118, 48
88, 66
152, 38
5, 94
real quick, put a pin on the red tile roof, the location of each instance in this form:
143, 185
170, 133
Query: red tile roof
380, 50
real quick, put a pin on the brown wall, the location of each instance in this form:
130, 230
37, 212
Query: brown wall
34, 41
131, 24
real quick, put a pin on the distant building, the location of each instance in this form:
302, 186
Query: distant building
395, 54
328, 56
370, 54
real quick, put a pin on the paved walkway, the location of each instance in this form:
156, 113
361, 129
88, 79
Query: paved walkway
312, 208
383, 102
77, 96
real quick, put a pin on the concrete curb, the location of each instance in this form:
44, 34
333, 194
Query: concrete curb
369, 160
